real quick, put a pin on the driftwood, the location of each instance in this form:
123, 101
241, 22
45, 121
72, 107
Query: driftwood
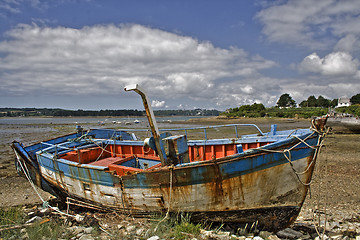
17, 226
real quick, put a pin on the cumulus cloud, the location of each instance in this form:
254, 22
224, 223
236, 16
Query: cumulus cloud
102, 59
313, 24
157, 104
335, 64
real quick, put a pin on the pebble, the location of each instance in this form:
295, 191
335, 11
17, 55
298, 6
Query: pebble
130, 228
153, 238
140, 231
273, 237
86, 237
289, 233
88, 230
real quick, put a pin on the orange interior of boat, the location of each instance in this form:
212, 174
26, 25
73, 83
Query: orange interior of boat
119, 153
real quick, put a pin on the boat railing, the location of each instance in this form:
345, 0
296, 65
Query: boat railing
67, 146
204, 128
57, 148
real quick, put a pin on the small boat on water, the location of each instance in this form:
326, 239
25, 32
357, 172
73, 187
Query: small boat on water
260, 178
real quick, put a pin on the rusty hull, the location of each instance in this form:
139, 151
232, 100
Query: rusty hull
256, 186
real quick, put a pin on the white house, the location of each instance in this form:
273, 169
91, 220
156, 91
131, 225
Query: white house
343, 102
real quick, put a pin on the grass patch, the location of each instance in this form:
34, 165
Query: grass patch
50, 230
175, 227
12, 226
10, 217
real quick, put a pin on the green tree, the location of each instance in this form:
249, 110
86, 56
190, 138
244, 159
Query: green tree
304, 104
286, 100
312, 102
334, 102
323, 102
355, 99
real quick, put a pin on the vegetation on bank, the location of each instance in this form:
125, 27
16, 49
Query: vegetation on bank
260, 111
286, 107
353, 110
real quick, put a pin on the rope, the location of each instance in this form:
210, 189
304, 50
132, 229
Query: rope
316, 226
45, 203
287, 153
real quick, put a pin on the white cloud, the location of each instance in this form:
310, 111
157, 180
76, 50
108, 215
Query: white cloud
334, 64
313, 24
157, 104
102, 59
347, 43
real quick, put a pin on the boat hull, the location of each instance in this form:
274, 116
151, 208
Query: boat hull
265, 186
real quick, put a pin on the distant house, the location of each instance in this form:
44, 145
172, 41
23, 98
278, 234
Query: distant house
343, 102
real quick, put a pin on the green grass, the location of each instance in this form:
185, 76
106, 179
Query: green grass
10, 217
175, 227
15, 216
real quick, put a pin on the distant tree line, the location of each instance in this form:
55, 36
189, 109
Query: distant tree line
194, 112
285, 100
56, 112
286, 107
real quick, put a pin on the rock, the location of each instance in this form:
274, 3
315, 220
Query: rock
309, 228
140, 231
77, 230
264, 234
323, 237
333, 225
258, 238
273, 237
153, 238
337, 237
288, 233
222, 236
88, 230
130, 228
206, 234
79, 218
86, 237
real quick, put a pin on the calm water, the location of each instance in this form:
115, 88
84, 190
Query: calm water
80, 120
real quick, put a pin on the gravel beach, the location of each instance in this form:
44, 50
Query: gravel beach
334, 195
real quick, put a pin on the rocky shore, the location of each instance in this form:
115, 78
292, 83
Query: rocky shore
332, 208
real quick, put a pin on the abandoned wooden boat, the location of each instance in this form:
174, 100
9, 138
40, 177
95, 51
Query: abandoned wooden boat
258, 178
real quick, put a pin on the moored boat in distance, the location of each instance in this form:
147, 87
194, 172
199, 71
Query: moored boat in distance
258, 178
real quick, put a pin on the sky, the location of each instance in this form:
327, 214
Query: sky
186, 54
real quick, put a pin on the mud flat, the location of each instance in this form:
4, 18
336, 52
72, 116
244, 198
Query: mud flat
335, 191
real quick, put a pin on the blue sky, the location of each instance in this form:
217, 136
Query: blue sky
76, 54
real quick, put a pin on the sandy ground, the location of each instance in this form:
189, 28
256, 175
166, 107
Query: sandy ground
335, 190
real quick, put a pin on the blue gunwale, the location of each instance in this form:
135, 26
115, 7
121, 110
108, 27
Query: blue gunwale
243, 163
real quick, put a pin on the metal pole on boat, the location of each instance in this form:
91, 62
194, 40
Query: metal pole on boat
150, 116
